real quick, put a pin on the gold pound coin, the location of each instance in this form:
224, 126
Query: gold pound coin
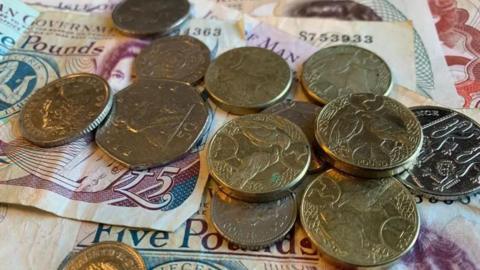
259, 157
359, 222
247, 80
107, 255
368, 135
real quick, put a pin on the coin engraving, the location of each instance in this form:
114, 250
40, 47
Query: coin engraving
258, 154
180, 58
357, 221
342, 70
65, 109
147, 17
368, 131
106, 255
302, 114
448, 165
152, 123
253, 225
248, 79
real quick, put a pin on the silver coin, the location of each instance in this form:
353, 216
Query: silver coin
303, 114
152, 123
253, 225
368, 135
344, 69
248, 80
180, 58
65, 109
148, 17
447, 168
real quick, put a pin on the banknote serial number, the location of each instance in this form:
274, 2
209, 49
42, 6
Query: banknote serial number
202, 31
331, 37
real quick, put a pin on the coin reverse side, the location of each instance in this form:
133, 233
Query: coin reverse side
258, 157
180, 58
153, 122
368, 135
446, 168
148, 17
359, 222
253, 225
248, 79
345, 69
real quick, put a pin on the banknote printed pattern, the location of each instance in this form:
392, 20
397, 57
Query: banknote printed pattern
367, 10
337, 71
251, 149
383, 211
369, 131
450, 157
459, 30
66, 109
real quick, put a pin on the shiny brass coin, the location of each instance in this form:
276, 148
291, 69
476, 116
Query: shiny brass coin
149, 17
345, 69
107, 255
259, 157
247, 80
65, 109
253, 225
359, 222
368, 135
152, 123
303, 114
180, 58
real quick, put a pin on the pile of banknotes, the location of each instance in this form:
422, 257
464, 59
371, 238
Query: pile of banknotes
254, 134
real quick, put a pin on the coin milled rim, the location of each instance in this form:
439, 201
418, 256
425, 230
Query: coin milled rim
134, 254
359, 170
81, 132
262, 244
311, 94
240, 109
334, 258
428, 193
256, 197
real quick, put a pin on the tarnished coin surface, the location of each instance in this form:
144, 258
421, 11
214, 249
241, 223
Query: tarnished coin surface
345, 69
149, 17
247, 80
153, 122
303, 114
107, 255
253, 225
447, 166
258, 157
368, 135
359, 222
65, 109
180, 58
